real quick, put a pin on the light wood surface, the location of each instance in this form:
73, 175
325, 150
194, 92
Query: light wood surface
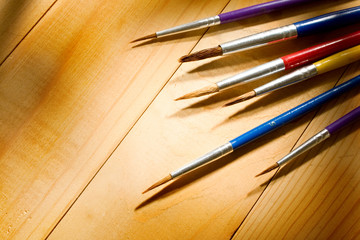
17, 19
88, 122
70, 92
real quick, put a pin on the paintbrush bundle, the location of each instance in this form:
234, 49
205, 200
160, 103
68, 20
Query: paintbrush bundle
310, 62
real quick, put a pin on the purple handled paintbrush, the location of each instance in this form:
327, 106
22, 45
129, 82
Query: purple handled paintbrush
317, 138
227, 17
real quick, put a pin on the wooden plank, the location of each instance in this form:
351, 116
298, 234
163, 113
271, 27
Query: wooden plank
70, 92
316, 197
17, 19
211, 202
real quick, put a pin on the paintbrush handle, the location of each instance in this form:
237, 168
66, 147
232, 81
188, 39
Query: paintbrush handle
293, 113
308, 144
314, 25
258, 9
232, 16
328, 21
343, 121
322, 135
338, 60
334, 61
321, 50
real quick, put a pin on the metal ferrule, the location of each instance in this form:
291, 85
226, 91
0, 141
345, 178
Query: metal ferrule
288, 79
318, 138
259, 39
202, 23
211, 156
252, 74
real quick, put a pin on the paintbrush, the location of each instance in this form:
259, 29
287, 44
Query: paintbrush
227, 17
287, 62
322, 23
261, 130
332, 62
316, 139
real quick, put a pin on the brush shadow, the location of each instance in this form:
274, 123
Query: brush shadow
171, 38
217, 100
197, 174
212, 102
259, 189
290, 91
280, 95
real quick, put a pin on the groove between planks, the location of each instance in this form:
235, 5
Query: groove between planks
27, 33
135, 122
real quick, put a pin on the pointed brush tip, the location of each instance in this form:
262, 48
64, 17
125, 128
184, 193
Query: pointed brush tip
231, 103
269, 169
151, 36
213, 88
158, 183
242, 98
202, 54
146, 191
183, 58
186, 96
259, 174
228, 104
179, 98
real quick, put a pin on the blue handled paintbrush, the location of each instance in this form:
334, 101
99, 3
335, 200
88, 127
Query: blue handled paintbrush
261, 130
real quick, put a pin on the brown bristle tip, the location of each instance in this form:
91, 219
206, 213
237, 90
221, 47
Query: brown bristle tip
242, 98
201, 92
269, 169
158, 183
150, 36
202, 54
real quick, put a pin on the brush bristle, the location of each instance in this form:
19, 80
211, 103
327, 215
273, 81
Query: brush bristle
201, 92
242, 98
158, 183
269, 169
205, 53
150, 36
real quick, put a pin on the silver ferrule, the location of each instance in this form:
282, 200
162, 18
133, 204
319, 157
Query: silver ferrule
202, 23
259, 39
260, 71
313, 141
211, 156
288, 79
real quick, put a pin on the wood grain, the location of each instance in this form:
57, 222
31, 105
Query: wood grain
17, 19
211, 202
316, 197
69, 94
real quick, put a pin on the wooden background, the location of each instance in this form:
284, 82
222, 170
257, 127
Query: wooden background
88, 121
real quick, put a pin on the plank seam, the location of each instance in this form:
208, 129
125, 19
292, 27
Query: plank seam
27, 33
130, 129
